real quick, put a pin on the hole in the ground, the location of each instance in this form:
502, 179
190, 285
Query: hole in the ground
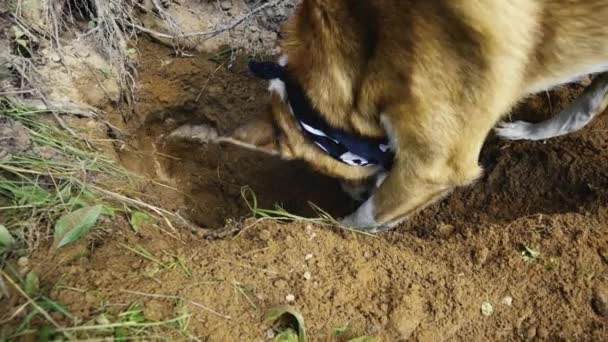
194, 91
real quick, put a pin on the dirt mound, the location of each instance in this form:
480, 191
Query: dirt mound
530, 238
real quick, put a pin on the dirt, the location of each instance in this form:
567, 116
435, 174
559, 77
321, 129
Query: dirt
425, 281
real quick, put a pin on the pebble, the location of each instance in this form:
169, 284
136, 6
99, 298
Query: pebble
307, 275
487, 309
270, 334
508, 301
445, 230
226, 4
480, 256
531, 333
290, 298
309, 231
600, 301
23, 261
308, 257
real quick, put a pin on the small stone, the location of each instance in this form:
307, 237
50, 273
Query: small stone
445, 230
309, 231
600, 301
270, 334
307, 275
290, 298
486, 309
226, 5
308, 257
23, 261
531, 333
508, 301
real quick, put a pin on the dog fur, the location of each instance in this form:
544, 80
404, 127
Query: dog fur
436, 77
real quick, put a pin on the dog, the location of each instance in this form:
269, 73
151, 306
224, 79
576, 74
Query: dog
430, 79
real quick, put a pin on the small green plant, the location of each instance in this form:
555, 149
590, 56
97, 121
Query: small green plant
240, 289
290, 325
529, 254
74, 225
295, 331
137, 219
178, 261
340, 330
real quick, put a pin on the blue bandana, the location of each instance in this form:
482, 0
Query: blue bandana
339, 144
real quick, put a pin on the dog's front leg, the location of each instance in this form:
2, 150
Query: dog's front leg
401, 194
431, 160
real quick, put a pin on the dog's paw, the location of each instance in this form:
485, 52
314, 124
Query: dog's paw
349, 223
518, 130
363, 220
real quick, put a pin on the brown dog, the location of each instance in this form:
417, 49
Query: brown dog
435, 77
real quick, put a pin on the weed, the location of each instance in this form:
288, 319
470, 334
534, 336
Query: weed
178, 261
529, 254
240, 289
279, 214
290, 325
49, 180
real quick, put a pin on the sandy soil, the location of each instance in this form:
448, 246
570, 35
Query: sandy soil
425, 281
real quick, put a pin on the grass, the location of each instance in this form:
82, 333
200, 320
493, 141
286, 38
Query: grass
51, 179
54, 184
177, 260
46, 319
279, 214
59, 175
288, 324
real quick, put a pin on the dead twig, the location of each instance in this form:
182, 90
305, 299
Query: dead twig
208, 34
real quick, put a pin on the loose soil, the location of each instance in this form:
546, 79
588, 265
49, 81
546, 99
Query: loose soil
424, 281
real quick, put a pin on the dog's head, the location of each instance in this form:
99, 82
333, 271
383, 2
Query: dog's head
285, 129
318, 81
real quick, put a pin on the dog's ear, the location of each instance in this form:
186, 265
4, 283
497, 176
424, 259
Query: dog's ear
259, 134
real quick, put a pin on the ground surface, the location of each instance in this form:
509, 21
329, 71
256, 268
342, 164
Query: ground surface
425, 281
